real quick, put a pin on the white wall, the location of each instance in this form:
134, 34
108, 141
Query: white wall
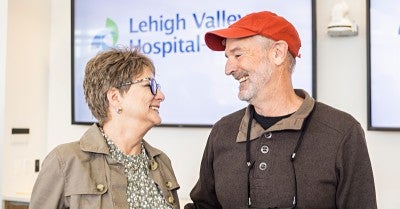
26, 86
341, 82
3, 35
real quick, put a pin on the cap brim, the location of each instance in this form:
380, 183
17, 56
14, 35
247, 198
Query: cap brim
214, 38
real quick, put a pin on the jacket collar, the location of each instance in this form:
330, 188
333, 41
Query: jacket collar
93, 141
294, 122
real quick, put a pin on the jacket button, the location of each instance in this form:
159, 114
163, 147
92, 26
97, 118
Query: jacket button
168, 184
171, 200
153, 165
264, 149
268, 135
100, 187
263, 166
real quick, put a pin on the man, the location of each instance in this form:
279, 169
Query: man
285, 150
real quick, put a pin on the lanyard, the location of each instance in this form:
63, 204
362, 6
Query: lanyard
292, 157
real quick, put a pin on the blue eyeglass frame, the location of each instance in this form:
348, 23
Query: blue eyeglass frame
154, 86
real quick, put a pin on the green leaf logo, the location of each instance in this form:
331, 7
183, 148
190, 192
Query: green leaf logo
107, 37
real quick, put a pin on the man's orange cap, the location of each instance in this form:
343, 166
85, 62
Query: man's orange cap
264, 23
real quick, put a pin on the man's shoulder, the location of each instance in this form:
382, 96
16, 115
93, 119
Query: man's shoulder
333, 117
233, 117
333, 111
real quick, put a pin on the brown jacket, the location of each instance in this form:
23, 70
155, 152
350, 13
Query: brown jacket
82, 175
332, 165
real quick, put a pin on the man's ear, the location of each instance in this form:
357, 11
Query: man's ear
113, 97
279, 51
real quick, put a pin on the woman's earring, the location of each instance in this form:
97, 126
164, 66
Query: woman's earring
119, 110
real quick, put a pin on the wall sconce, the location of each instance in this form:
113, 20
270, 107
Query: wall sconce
340, 25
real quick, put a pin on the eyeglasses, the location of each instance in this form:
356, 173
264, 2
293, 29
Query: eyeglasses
292, 158
154, 86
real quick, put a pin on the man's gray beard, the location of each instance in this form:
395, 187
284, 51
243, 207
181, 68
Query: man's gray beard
245, 97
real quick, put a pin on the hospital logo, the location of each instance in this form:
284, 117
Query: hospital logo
107, 37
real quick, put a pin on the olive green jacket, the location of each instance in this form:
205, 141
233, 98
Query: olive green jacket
82, 175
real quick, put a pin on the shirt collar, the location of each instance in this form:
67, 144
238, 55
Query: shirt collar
93, 141
294, 122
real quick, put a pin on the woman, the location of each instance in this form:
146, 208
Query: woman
111, 166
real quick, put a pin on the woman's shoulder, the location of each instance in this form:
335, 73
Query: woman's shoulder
69, 152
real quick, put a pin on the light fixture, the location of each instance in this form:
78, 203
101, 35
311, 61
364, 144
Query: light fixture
340, 24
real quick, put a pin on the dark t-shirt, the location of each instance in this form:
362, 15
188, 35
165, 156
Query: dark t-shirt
267, 122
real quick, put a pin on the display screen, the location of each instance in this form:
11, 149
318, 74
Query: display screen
383, 21
171, 33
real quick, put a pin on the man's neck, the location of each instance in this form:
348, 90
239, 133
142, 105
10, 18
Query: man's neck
278, 104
